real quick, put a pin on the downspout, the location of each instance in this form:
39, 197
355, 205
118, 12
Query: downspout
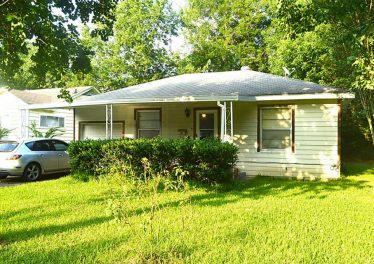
111, 121
232, 122
74, 126
223, 119
106, 122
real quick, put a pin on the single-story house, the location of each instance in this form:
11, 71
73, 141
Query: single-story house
15, 117
282, 126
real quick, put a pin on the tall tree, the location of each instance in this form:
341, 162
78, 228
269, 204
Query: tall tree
225, 35
330, 42
143, 31
138, 51
49, 26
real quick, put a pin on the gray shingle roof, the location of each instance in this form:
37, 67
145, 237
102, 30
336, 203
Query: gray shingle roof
40, 96
31, 98
245, 83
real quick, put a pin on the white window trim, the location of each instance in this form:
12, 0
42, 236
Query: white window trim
147, 129
40, 121
289, 148
216, 121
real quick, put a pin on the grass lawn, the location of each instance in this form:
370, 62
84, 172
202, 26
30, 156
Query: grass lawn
261, 221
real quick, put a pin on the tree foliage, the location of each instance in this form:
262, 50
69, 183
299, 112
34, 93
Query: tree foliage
4, 132
138, 51
323, 39
50, 133
225, 35
143, 30
49, 26
330, 42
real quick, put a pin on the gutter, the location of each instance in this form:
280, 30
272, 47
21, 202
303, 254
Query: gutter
151, 100
296, 97
135, 101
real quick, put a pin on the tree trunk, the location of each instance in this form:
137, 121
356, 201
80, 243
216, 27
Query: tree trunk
370, 121
367, 101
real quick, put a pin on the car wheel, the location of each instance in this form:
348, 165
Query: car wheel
32, 172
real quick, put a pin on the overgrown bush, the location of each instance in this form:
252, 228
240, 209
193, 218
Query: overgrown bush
204, 160
356, 140
85, 156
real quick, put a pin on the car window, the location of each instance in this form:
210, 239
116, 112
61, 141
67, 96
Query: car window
8, 146
30, 145
41, 146
59, 145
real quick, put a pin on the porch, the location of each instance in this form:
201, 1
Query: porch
169, 120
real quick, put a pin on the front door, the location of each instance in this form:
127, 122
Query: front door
207, 123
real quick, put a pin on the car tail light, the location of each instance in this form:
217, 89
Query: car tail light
14, 157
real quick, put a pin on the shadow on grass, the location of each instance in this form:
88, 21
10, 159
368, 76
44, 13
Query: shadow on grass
83, 252
23, 211
261, 187
93, 252
357, 169
15, 180
35, 231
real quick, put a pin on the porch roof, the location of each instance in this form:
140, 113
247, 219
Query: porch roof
244, 85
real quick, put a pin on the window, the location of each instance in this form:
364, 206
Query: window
148, 123
30, 145
276, 127
206, 123
8, 146
52, 121
41, 146
59, 145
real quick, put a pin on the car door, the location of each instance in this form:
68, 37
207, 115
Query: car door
63, 157
47, 156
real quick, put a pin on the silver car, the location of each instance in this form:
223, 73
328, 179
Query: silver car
32, 158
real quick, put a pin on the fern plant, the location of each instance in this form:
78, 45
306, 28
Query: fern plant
51, 133
4, 132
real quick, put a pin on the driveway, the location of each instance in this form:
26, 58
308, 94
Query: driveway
15, 180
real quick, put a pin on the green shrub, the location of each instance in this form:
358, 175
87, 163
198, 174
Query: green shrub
86, 156
205, 160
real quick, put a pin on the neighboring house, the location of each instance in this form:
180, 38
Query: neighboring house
14, 118
282, 126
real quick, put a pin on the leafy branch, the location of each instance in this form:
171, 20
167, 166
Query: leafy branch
51, 133
4, 132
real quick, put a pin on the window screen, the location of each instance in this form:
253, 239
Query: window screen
276, 127
149, 123
52, 121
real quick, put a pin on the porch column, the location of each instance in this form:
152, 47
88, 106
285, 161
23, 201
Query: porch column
229, 124
24, 123
109, 121
227, 121
223, 120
